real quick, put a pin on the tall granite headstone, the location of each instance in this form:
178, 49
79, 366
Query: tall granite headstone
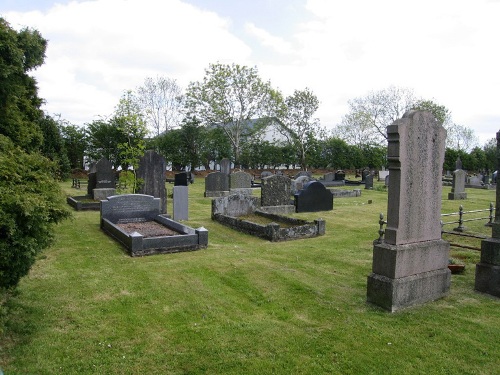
216, 184
488, 268
151, 175
410, 266
458, 185
225, 166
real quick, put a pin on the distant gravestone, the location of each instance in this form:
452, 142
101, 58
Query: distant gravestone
275, 191
240, 182
364, 173
216, 184
105, 185
382, 175
458, 185
329, 177
458, 164
151, 175
298, 184
303, 173
340, 175
180, 202
265, 174
181, 179
369, 181
313, 197
410, 266
488, 269
225, 166
475, 181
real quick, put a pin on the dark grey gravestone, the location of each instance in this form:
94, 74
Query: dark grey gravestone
364, 173
275, 191
314, 197
386, 181
240, 180
180, 202
92, 180
105, 176
151, 173
265, 174
181, 179
130, 207
339, 175
458, 185
488, 268
225, 166
302, 173
369, 181
216, 184
410, 266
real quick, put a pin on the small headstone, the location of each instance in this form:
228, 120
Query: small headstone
298, 184
151, 175
130, 207
340, 175
216, 184
105, 176
225, 166
313, 197
364, 173
458, 185
382, 175
275, 191
369, 181
265, 174
475, 181
181, 179
180, 202
240, 182
328, 177
303, 173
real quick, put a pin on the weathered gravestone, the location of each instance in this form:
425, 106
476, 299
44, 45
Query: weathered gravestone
265, 174
275, 194
458, 185
475, 181
180, 202
329, 177
410, 266
365, 172
298, 184
225, 166
369, 181
313, 197
302, 173
181, 179
151, 175
339, 175
240, 182
488, 269
105, 185
216, 184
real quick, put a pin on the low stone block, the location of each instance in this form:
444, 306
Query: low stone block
396, 294
103, 193
490, 251
457, 196
488, 279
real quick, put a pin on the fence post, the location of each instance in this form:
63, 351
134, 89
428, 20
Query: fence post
460, 227
490, 222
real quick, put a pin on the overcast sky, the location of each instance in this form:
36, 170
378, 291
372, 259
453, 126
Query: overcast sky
445, 50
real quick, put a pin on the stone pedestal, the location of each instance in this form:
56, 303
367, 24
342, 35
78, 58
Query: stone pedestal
488, 270
409, 274
100, 194
180, 202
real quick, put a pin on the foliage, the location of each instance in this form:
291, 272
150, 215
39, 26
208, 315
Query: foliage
298, 125
490, 153
160, 101
75, 142
53, 146
368, 116
20, 52
30, 204
103, 140
460, 137
440, 112
229, 97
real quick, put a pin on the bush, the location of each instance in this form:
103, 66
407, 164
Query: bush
31, 202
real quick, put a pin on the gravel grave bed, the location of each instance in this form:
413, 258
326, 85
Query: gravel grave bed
148, 229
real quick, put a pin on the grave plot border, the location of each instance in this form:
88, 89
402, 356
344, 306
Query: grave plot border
78, 205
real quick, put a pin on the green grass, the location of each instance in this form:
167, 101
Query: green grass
243, 305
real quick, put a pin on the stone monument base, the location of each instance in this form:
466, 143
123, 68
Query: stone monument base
408, 274
488, 270
103, 193
245, 191
457, 196
397, 294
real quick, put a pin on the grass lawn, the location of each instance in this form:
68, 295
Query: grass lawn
243, 305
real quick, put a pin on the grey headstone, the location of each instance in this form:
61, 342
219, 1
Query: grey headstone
225, 166
313, 197
369, 181
275, 191
475, 181
151, 173
382, 175
386, 180
265, 174
127, 207
180, 202
235, 205
411, 266
458, 163
328, 177
298, 183
303, 173
458, 185
240, 180
216, 184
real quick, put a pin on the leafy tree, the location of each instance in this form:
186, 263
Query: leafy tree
103, 140
20, 52
298, 125
229, 97
75, 142
490, 152
336, 153
372, 113
440, 112
53, 146
160, 100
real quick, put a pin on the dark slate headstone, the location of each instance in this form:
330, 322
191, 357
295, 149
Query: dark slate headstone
105, 176
313, 197
275, 191
130, 207
216, 184
303, 173
91, 184
369, 181
339, 175
151, 173
225, 166
181, 179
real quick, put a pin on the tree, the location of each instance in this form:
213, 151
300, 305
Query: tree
460, 137
31, 201
160, 101
53, 146
229, 97
298, 125
372, 113
440, 112
75, 142
490, 152
103, 140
